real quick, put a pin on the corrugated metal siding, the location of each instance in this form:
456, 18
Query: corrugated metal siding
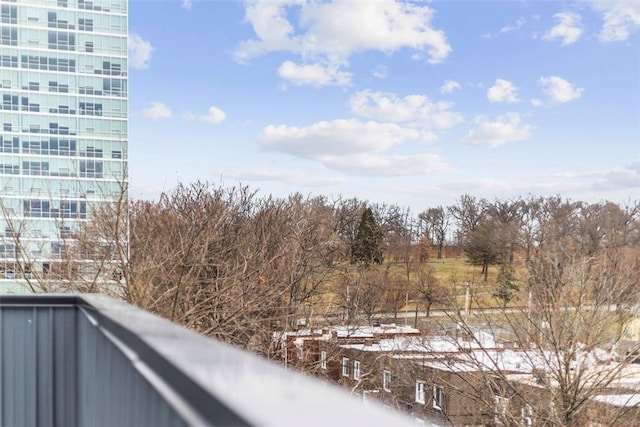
38, 368
111, 390
58, 368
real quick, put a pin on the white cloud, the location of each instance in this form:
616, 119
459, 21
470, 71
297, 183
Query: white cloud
335, 138
376, 165
288, 176
379, 72
157, 111
503, 91
187, 4
415, 110
214, 115
583, 185
618, 178
560, 90
139, 52
621, 18
536, 102
506, 29
486, 185
449, 86
505, 128
315, 74
330, 32
624, 177
353, 146
568, 28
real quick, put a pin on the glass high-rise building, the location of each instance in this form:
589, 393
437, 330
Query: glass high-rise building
63, 128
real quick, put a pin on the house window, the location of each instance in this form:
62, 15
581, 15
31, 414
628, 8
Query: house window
323, 359
438, 397
386, 380
345, 366
420, 395
356, 370
502, 410
526, 416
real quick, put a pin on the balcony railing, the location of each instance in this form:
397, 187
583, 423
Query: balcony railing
76, 360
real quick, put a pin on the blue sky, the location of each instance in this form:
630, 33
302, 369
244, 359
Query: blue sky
413, 103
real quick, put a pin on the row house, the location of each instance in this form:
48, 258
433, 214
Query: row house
402, 372
300, 348
452, 380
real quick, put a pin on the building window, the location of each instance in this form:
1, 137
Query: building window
420, 394
9, 14
323, 359
8, 250
9, 232
90, 169
438, 397
502, 410
85, 24
356, 370
9, 36
65, 232
345, 366
386, 380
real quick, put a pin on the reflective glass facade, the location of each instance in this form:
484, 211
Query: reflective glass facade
63, 125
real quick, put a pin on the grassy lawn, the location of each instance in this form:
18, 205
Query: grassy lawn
452, 273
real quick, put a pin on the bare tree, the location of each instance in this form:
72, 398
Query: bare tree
428, 291
222, 260
346, 217
468, 213
566, 324
437, 224
606, 225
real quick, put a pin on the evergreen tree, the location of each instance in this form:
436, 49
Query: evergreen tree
485, 247
367, 246
506, 283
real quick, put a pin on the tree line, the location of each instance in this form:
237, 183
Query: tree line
237, 265
241, 267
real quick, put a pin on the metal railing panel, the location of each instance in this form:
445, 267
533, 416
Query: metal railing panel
38, 366
111, 391
228, 386
91, 360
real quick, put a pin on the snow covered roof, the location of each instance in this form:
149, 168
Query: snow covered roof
428, 344
620, 400
392, 345
365, 331
371, 331
484, 360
